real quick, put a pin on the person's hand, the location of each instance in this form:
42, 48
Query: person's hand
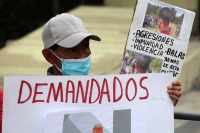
174, 91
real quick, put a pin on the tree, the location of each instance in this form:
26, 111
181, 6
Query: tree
179, 19
156, 65
173, 14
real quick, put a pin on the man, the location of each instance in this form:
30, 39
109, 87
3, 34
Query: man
142, 64
164, 20
125, 60
66, 47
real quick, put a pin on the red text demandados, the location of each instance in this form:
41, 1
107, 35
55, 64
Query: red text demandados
83, 94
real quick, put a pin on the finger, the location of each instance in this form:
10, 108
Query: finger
170, 87
174, 92
176, 83
174, 98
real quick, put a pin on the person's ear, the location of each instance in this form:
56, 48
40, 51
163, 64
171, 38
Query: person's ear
48, 55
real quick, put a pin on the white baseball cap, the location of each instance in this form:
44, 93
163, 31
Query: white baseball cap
65, 30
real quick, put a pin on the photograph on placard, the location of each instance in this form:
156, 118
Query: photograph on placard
134, 63
163, 18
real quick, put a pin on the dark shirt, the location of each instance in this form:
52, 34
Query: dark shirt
50, 71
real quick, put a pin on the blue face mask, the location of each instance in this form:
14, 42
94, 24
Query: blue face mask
74, 66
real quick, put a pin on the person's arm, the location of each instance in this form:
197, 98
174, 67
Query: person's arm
1, 109
174, 91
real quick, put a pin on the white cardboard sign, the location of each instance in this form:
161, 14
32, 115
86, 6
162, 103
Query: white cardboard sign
160, 33
28, 99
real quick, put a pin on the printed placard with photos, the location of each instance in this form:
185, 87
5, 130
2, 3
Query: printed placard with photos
158, 37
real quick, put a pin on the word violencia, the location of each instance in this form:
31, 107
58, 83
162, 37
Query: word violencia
153, 36
83, 93
148, 49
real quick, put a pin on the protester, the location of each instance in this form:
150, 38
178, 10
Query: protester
164, 20
142, 64
66, 47
125, 61
178, 29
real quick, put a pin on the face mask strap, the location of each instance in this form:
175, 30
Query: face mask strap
55, 64
55, 54
59, 69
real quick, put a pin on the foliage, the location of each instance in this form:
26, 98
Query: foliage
132, 55
152, 10
179, 19
156, 65
173, 14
